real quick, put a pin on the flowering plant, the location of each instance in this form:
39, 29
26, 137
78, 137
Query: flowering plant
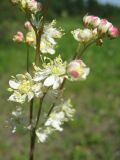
48, 75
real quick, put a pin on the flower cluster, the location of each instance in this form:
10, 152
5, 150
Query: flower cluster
61, 113
48, 39
51, 75
28, 5
103, 26
95, 30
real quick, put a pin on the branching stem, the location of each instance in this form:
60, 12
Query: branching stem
77, 54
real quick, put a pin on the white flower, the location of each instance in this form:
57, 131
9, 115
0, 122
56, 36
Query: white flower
14, 129
50, 32
83, 36
47, 47
68, 109
23, 87
77, 70
60, 114
54, 81
56, 120
43, 134
48, 38
53, 73
17, 112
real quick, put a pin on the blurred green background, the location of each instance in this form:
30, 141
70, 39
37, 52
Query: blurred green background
95, 132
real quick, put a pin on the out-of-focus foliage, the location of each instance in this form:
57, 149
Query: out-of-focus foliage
81, 7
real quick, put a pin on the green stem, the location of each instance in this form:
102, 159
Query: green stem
33, 135
28, 54
37, 55
51, 109
31, 111
37, 61
39, 111
32, 146
85, 48
74, 57
77, 51
53, 105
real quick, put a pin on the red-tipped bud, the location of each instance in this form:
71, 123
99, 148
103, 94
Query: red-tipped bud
104, 26
19, 37
91, 20
113, 32
77, 70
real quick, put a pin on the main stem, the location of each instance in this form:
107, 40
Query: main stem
33, 134
31, 104
33, 128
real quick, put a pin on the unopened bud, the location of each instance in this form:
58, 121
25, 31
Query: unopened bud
28, 25
92, 21
19, 37
30, 39
83, 36
113, 32
34, 6
77, 70
104, 26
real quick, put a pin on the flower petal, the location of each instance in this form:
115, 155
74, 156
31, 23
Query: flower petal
13, 84
49, 81
30, 96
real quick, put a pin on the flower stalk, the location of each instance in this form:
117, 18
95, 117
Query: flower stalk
28, 54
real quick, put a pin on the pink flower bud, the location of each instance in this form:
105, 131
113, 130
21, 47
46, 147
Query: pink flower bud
83, 36
87, 20
104, 26
77, 70
95, 21
74, 74
28, 25
34, 6
113, 32
19, 37
91, 20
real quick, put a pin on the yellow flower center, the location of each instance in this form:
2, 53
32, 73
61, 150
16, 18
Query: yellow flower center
25, 86
58, 71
